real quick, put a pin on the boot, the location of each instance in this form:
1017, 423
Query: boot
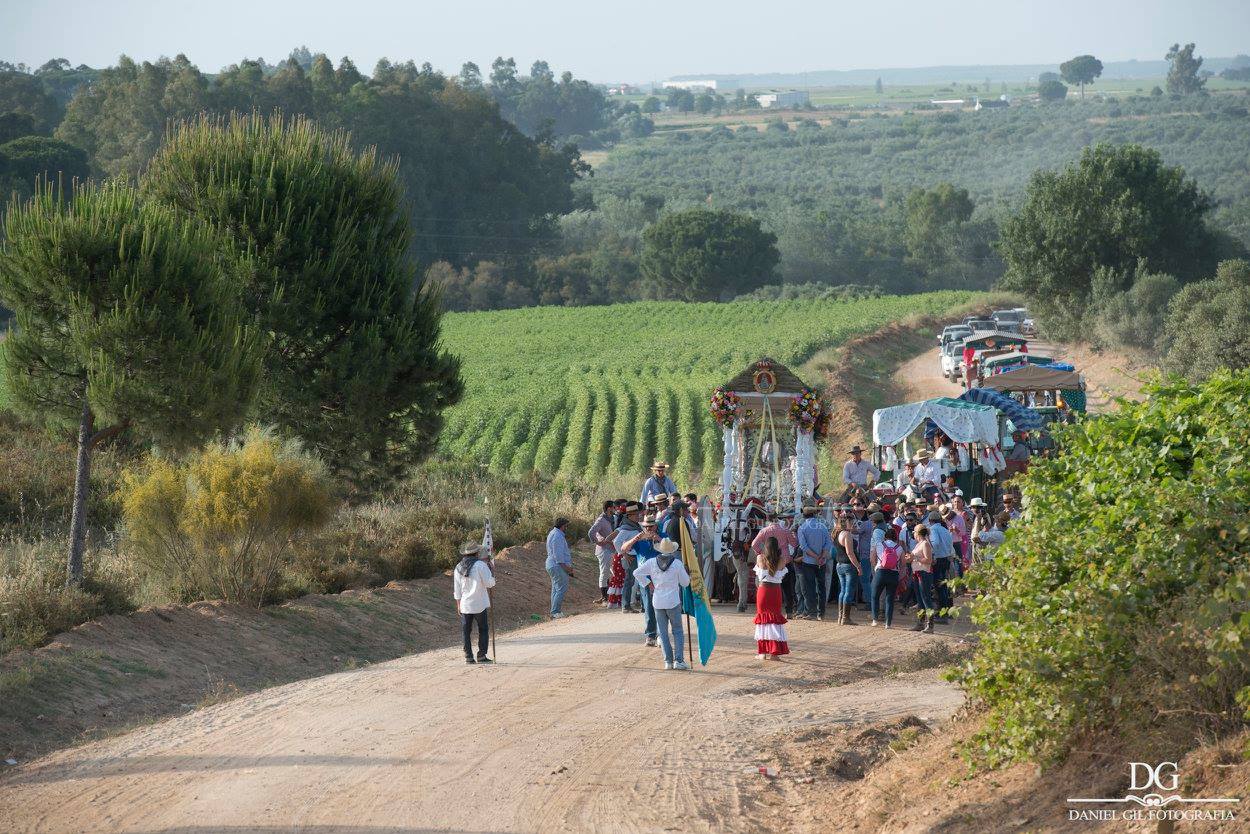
841, 614
928, 626
919, 626
846, 618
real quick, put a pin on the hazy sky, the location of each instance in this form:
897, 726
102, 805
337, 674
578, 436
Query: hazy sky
626, 41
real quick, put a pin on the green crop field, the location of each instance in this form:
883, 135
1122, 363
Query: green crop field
596, 391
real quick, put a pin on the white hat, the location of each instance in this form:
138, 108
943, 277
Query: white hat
976, 502
960, 493
667, 546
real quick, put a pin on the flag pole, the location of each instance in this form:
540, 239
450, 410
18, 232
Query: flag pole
489, 540
681, 524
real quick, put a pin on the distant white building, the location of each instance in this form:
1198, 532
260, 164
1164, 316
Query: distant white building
787, 98
953, 103
999, 103
715, 85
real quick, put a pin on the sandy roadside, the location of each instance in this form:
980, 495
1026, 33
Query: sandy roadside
578, 728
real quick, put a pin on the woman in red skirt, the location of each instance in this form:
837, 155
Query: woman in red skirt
770, 623
616, 582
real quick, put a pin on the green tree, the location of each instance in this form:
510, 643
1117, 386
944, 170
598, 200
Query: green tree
1208, 323
1052, 90
1081, 70
1118, 208
1183, 77
651, 104
680, 99
933, 215
127, 318
22, 93
880, 88
354, 367
704, 255
23, 160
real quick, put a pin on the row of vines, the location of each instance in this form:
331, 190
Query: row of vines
600, 391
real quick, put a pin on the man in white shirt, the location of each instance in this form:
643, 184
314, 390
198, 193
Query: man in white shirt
859, 472
927, 472
471, 583
665, 576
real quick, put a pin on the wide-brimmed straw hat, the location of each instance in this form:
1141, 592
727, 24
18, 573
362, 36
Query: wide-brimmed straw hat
648, 521
667, 546
923, 454
470, 549
660, 464
976, 502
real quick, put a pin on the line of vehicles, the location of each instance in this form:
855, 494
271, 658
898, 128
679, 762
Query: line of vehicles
951, 340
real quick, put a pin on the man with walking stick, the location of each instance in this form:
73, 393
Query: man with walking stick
471, 586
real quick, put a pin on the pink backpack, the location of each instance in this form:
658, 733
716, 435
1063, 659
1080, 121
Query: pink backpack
891, 552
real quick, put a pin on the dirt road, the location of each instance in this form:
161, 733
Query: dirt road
577, 729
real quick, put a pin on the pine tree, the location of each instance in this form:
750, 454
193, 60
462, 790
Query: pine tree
126, 319
354, 368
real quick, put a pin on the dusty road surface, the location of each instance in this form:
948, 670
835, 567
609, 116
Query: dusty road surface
577, 729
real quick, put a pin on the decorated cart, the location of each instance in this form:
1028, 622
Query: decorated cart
1047, 385
974, 429
770, 422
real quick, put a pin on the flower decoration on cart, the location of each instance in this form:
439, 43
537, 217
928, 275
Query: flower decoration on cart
810, 414
725, 406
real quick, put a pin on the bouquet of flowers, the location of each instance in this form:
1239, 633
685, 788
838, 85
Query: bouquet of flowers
725, 406
809, 413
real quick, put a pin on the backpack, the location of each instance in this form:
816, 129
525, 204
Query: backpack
891, 552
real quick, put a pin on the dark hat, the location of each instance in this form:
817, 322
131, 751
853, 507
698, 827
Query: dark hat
855, 450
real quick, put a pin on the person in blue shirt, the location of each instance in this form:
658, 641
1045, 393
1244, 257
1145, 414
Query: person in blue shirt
943, 550
658, 484
815, 548
559, 565
641, 547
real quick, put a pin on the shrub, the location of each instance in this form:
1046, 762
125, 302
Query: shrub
34, 602
1127, 584
223, 523
1135, 318
1208, 323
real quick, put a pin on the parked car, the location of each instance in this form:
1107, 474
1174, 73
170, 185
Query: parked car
1007, 321
953, 333
953, 361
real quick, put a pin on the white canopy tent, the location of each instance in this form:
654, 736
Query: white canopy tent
962, 422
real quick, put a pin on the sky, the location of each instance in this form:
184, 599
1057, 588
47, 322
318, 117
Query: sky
639, 41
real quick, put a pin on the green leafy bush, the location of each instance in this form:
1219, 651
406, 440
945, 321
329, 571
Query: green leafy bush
1125, 591
222, 524
1208, 322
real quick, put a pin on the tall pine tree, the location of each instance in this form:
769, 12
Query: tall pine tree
354, 367
127, 318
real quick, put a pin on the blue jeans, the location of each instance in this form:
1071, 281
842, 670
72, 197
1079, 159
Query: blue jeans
559, 586
941, 568
865, 578
670, 618
810, 585
627, 590
884, 580
846, 583
648, 628
922, 581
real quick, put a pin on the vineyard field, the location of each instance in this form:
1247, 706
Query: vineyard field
601, 391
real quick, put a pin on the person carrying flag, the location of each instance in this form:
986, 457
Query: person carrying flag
471, 584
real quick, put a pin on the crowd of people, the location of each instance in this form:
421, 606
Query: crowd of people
882, 559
